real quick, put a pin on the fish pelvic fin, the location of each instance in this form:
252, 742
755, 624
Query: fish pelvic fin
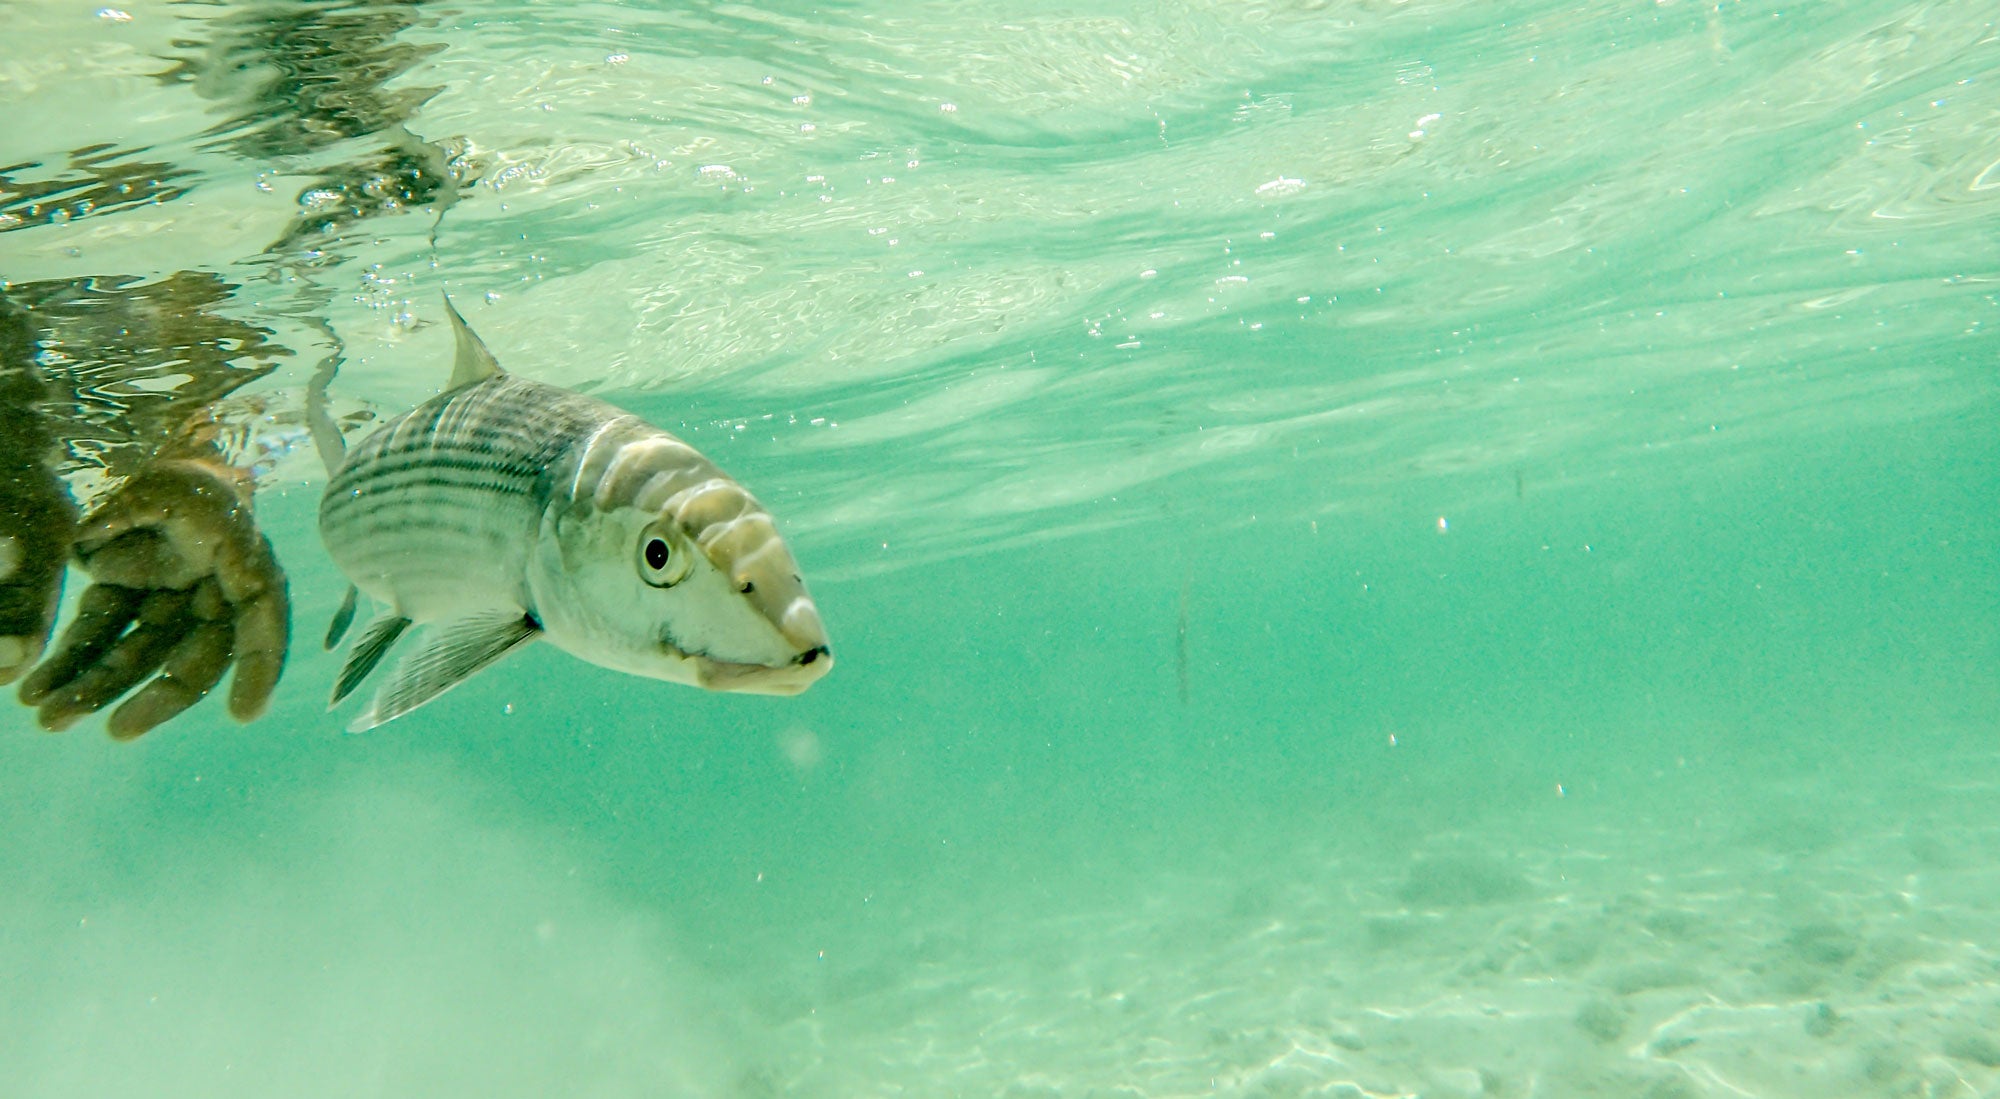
342, 618
455, 652
367, 653
473, 363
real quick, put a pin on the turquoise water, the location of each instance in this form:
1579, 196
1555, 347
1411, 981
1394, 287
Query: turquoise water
1374, 549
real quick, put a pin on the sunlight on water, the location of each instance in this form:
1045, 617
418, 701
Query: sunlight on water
1375, 548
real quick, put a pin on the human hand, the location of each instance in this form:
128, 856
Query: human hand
184, 585
37, 525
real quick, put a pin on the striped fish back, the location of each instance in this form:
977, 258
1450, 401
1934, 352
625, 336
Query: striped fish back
437, 510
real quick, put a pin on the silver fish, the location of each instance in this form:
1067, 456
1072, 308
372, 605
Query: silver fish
505, 510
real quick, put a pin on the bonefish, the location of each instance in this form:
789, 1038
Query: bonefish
504, 511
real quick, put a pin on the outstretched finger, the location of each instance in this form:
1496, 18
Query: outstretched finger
263, 634
101, 617
189, 672
162, 623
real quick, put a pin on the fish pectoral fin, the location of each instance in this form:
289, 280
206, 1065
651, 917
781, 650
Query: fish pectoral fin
367, 653
342, 618
456, 651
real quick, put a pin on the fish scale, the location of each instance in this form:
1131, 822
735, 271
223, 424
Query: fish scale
450, 489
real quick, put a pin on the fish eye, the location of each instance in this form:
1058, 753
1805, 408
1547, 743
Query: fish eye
661, 563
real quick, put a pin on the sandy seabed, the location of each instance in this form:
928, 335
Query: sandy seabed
1825, 935
1805, 943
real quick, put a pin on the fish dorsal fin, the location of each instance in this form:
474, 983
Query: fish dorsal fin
455, 652
473, 362
367, 653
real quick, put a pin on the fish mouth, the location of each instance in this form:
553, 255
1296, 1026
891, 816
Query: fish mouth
763, 679
789, 678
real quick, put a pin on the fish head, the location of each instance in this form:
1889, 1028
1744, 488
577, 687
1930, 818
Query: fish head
698, 589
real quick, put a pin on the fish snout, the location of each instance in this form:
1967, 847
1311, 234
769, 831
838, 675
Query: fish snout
742, 543
799, 624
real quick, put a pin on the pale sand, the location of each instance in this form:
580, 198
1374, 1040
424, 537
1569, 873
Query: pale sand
1817, 936
1796, 944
